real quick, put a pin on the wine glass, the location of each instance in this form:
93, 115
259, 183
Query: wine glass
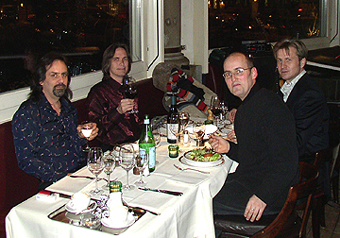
127, 157
156, 136
215, 107
110, 164
130, 90
96, 165
142, 162
86, 130
183, 118
199, 131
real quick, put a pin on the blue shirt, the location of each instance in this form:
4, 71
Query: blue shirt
47, 145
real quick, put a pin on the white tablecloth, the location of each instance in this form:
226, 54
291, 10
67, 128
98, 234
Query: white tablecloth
189, 215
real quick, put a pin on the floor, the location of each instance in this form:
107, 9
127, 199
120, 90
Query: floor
332, 216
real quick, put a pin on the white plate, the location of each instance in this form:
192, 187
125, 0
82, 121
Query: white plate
107, 222
226, 129
189, 161
72, 210
209, 129
184, 161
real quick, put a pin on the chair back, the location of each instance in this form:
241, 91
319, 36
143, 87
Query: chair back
302, 190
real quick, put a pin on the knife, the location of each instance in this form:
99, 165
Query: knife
162, 191
87, 177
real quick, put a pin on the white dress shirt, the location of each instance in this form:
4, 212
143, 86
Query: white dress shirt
287, 88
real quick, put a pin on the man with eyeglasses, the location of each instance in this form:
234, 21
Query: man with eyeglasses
47, 138
265, 150
304, 98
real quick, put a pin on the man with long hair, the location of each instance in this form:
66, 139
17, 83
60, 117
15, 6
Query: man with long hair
48, 142
107, 102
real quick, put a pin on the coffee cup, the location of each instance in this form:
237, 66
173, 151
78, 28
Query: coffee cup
79, 201
119, 215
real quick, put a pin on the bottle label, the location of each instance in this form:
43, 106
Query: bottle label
152, 155
174, 127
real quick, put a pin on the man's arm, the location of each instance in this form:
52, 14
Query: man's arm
309, 113
25, 130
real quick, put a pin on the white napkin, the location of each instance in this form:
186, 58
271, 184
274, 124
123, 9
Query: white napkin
69, 186
151, 201
188, 177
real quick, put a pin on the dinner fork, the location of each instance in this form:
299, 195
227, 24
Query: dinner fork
183, 169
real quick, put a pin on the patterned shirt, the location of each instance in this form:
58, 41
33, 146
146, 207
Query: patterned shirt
114, 128
47, 145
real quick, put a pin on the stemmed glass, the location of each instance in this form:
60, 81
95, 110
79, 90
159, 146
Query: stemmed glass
127, 158
183, 122
96, 165
86, 130
215, 107
142, 162
130, 90
110, 164
199, 131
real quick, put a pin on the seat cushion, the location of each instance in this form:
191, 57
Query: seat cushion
236, 224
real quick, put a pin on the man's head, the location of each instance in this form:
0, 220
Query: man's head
291, 57
116, 62
51, 77
239, 74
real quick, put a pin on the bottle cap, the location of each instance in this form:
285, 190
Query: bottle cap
146, 120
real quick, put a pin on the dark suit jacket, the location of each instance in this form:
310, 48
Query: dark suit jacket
309, 108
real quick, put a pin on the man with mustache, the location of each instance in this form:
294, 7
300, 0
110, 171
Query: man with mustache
48, 142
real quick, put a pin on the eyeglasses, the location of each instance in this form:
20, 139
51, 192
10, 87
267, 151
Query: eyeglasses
237, 72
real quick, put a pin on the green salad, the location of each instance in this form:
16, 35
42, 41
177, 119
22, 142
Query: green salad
203, 155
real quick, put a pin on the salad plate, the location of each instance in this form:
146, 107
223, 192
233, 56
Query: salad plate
202, 157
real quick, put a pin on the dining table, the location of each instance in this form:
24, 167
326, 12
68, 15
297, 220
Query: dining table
165, 215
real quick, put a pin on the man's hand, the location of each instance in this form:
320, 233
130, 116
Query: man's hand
232, 136
94, 131
125, 105
231, 115
219, 144
254, 209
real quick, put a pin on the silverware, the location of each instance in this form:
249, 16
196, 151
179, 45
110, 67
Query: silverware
161, 191
183, 169
87, 177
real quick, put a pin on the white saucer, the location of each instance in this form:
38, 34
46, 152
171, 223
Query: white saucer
75, 211
107, 222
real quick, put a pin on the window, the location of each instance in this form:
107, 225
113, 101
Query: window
81, 30
243, 20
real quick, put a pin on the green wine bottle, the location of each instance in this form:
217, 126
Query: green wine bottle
147, 144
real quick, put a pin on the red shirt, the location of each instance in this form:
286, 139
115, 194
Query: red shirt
102, 102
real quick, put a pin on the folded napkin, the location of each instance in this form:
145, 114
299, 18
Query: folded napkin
69, 186
151, 201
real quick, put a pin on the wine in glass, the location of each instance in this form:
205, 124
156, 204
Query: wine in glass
130, 89
110, 164
142, 162
215, 106
199, 131
86, 130
127, 157
96, 165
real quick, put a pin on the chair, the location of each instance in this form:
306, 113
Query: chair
286, 224
330, 155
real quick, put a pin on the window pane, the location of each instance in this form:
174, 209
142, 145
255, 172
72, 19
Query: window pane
233, 21
80, 29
